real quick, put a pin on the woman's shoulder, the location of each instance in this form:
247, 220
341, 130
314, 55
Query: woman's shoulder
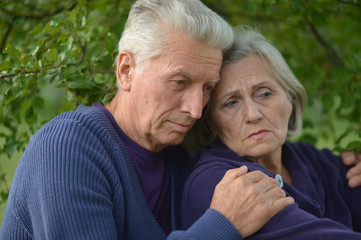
220, 158
310, 151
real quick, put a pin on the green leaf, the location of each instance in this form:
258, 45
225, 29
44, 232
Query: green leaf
25, 105
108, 97
51, 55
99, 79
25, 60
39, 102
5, 87
5, 65
343, 135
30, 117
354, 146
10, 146
13, 52
73, 15
5, 130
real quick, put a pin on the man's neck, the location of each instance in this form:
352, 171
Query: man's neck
123, 114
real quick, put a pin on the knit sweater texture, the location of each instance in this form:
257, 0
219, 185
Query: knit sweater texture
325, 208
76, 180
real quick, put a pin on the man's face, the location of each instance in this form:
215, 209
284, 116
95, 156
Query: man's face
168, 97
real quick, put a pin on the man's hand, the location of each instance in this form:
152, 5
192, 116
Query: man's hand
248, 200
354, 174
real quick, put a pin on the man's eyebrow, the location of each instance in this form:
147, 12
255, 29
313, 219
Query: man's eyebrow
185, 74
214, 80
191, 77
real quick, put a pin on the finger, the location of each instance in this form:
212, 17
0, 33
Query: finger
348, 158
355, 181
255, 177
354, 171
282, 203
357, 158
232, 174
266, 185
241, 171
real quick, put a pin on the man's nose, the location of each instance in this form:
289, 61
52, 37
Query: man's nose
193, 103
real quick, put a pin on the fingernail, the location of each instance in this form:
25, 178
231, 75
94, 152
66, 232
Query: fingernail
350, 174
348, 159
352, 183
244, 167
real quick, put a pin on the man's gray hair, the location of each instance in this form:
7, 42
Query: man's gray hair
144, 32
248, 42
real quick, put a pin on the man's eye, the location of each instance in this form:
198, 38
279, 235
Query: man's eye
208, 88
179, 82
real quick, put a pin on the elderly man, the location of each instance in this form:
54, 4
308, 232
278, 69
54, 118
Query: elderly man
108, 173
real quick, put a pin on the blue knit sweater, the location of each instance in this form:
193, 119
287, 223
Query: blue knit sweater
76, 180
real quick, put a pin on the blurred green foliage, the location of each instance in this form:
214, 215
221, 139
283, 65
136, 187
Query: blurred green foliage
55, 55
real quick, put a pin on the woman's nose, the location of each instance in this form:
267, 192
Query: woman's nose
252, 112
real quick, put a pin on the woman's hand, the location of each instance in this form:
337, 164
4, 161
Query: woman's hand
354, 174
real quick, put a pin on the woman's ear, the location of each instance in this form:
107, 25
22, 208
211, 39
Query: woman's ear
125, 66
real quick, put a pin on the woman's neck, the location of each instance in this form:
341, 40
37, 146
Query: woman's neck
274, 164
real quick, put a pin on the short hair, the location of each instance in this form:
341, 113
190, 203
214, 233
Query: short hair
144, 32
248, 42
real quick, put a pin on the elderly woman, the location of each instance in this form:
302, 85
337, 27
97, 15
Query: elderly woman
256, 105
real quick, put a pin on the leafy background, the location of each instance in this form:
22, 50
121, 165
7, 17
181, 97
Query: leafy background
55, 55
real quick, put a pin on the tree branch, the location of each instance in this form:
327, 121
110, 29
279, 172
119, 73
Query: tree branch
14, 74
6, 35
37, 16
353, 3
333, 58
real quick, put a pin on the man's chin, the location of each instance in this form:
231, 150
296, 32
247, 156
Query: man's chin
177, 140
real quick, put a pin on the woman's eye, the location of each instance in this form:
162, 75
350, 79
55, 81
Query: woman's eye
230, 103
264, 93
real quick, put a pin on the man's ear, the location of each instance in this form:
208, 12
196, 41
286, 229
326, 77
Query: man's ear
125, 67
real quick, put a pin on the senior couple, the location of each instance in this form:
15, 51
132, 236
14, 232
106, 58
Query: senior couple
117, 172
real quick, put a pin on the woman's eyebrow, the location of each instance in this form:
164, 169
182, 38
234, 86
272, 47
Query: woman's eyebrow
262, 83
235, 92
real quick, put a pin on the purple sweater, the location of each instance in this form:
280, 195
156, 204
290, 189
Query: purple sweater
153, 172
326, 208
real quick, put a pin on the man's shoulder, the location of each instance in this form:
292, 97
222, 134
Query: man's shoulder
87, 118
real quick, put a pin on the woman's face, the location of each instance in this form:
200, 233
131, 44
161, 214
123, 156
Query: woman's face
250, 109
